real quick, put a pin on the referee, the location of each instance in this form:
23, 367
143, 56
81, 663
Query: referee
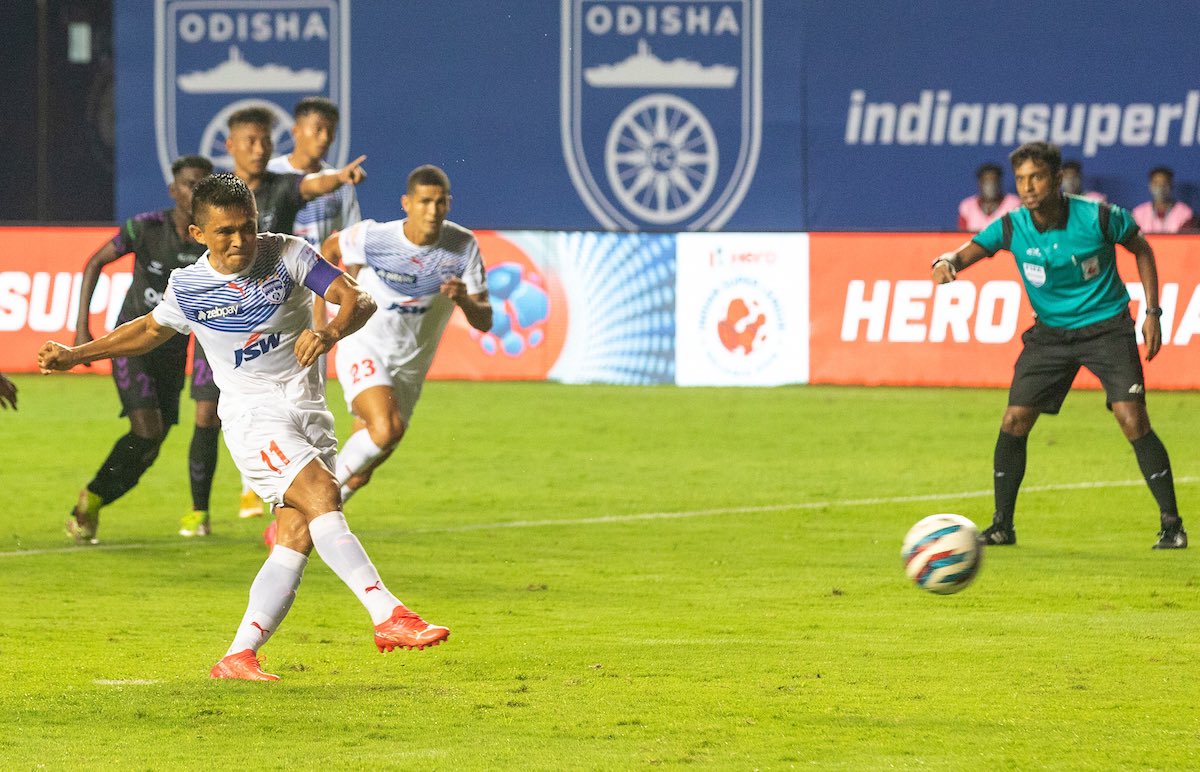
1065, 250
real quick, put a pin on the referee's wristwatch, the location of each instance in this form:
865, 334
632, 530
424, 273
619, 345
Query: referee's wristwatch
1156, 311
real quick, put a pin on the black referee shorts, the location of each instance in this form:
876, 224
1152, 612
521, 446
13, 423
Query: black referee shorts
1052, 356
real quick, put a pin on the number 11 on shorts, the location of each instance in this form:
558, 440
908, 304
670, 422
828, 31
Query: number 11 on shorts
274, 448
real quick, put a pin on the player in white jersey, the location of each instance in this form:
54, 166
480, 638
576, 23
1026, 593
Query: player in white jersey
417, 269
314, 129
244, 301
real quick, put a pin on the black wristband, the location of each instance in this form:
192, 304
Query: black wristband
1157, 311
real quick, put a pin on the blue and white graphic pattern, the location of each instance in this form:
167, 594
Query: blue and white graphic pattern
324, 214
621, 305
241, 304
411, 270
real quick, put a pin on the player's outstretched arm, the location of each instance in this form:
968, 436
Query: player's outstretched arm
355, 307
320, 183
130, 339
8, 393
476, 308
91, 275
1148, 273
946, 266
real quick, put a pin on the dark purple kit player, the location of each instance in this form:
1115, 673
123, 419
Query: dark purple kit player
149, 386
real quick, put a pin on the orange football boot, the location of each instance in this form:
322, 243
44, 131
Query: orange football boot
242, 666
406, 630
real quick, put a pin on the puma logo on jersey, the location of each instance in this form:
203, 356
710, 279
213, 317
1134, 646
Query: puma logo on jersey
254, 347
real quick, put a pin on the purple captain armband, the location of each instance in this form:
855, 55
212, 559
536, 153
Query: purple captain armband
321, 276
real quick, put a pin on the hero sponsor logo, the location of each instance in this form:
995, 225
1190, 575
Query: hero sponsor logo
936, 119
914, 311
49, 302
648, 89
214, 57
254, 347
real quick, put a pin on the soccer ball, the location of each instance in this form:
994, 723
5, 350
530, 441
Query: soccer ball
942, 553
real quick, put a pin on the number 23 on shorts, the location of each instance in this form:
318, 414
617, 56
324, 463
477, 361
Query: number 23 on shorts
363, 369
278, 454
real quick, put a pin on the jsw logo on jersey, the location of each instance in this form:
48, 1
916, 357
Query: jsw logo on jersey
254, 347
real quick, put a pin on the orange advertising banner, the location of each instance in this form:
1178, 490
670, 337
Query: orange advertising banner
40, 273
877, 318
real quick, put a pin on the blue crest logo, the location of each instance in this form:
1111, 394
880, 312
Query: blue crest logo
661, 108
214, 57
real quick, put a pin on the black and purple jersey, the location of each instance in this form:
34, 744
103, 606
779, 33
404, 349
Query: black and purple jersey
157, 250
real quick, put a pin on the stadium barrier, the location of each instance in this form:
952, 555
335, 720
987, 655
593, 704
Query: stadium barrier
754, 309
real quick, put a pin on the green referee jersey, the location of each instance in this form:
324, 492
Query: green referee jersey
1070, 269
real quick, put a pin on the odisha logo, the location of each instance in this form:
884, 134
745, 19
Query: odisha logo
520, 308
742, 326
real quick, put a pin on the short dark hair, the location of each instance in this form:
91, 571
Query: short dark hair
315, 104
1073, 165
220, 191
1039, 152
988, 169
427, 175
1167, 170
191, 162
259, 116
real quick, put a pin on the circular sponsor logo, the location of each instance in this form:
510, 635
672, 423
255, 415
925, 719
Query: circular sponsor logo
741, 326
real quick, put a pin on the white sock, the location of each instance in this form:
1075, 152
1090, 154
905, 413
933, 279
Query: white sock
342, 552
357, 453
347, 492
271, 597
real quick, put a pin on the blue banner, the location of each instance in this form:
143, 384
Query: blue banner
742, 115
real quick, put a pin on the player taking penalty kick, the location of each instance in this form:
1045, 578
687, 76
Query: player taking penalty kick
249, 302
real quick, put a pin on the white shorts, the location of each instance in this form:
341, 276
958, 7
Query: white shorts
271, 444
361, 365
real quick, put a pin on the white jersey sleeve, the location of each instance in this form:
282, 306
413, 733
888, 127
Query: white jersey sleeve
474, 275
168, 313
353, 241
298, 256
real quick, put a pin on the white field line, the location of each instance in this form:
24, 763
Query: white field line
783, 507
687, 514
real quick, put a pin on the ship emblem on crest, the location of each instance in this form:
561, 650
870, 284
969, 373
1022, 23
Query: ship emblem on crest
215, 57
661, 109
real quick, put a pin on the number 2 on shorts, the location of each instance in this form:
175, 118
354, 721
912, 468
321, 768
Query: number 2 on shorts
274, 448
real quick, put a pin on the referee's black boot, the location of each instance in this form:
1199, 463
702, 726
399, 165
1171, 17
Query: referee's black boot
1000, 533
1172, 536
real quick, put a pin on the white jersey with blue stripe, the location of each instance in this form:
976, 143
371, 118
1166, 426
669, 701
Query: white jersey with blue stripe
324, 214
405, 279
248, 323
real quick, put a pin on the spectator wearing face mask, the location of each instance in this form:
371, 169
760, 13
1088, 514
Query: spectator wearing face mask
990, 203
1072, 182
1162, 213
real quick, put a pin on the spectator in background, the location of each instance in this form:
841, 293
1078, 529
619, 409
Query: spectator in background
990, 203
1072, 182
1162, 214
8, 393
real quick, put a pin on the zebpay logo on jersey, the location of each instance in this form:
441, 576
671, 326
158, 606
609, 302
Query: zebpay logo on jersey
661, 110
255, 347
214, 57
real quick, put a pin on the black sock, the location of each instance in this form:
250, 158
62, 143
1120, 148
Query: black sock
1156, 468
202, 464
130, 457
1008, 471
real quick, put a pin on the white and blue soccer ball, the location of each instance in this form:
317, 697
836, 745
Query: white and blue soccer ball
942, 553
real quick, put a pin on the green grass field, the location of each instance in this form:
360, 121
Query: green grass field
634, 577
